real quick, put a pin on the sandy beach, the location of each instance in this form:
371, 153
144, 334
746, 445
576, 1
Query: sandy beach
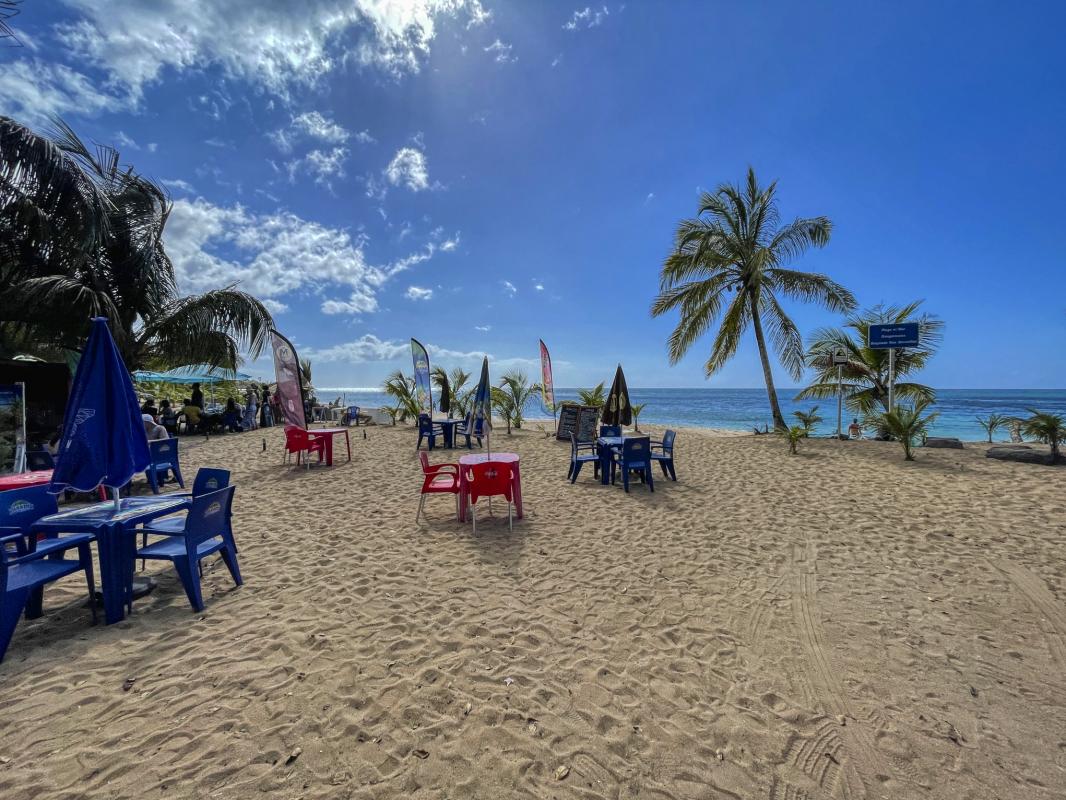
837, 624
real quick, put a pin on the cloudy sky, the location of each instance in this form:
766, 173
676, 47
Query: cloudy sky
481, 174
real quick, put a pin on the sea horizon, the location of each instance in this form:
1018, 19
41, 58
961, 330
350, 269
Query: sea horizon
745, 409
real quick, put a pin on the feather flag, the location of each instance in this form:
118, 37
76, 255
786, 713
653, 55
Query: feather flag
423, 390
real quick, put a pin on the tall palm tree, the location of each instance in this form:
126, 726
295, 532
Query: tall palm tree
81, 236
865, 375
736, 246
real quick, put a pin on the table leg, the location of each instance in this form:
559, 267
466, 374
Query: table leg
516, 488
449, 437
605, 465
329, 450
109, 546
348, 442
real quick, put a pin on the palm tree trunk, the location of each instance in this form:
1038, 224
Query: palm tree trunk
756, 323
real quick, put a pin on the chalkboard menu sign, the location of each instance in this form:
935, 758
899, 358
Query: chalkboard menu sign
578, 420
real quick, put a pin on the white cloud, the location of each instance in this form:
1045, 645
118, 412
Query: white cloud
123, 140
274, 306
31, 91
408, 167
509, 288
586, 18
179, 184
450, 244
418, 293
279, 46
323, 165
275, 255
557, 61
483, 328
649, 198
501, 52
539, 287
364, 137
318, 126
151, 147
478, 15
369, 348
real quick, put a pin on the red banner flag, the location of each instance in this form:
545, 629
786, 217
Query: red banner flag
287, 371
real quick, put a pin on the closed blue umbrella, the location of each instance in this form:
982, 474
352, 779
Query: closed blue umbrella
103, 435
483, 403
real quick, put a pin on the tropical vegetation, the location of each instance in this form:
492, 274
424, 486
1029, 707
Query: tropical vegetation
992, 423
401, 388
81, 235
793, 435
595, 397
1047, 428
728, 267
516, 391
637, 408
906, 423
808, 420
459, 395
864, 376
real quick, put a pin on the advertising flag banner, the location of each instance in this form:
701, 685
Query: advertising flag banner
423, 390
287, 371
547, 389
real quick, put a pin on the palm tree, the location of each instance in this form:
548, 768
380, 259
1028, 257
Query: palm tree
637, 408
402, 388
808, 420
1047, 428
503, 403
865, 375
992, 423
735, 245
82, 236
793, 435
906, 423
516, 386
457, 379
595, 397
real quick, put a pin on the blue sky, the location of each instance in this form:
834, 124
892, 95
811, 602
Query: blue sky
481, 174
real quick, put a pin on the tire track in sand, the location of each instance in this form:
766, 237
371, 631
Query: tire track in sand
859, 756
1052, 616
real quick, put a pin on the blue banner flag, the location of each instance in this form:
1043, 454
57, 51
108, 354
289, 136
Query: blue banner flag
423, 390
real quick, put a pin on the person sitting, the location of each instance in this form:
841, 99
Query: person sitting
152, 431
149, 408
231, 418
168, 418
191, 413
855, 430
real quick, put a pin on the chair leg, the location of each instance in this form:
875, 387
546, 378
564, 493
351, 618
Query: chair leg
176, 469
86, 559
473, 514
10, 612
575, 469
510, 523
666, 472
673, 475
421, 504
153, 479
625, 478
191, 582
229, 557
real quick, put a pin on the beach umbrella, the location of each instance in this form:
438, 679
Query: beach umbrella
103, 436
445, 396
483, 403
618, 410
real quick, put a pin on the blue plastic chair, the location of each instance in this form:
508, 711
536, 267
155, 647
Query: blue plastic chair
634, 454
164, 454
428, 429
208, 479
610, 430
207, 529
351, 415
20, 508
582, 453
466, 430
23, 576
665, 456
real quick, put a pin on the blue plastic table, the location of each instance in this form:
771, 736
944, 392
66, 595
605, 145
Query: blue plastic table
112, 542
603, 447
449, 430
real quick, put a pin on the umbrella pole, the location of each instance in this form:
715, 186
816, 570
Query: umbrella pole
118, 502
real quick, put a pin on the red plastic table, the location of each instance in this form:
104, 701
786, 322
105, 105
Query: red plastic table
23, 480
327, 435
500, 458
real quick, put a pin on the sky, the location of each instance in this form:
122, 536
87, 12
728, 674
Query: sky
481, 174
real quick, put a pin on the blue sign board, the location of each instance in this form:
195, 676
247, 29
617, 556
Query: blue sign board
886, 337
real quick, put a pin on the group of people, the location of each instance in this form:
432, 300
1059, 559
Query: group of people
161, 422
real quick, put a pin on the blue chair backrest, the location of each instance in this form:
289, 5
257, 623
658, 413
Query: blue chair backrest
425, 424
20, 508
164, 451
573, 446
209, 479
479, 426
668, 442
39, 459
209, 517
636, 448
353, 412
610, 430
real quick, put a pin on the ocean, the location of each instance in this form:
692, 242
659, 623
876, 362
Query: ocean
742, 409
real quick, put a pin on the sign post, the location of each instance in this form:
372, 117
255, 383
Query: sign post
891, 337
840, 358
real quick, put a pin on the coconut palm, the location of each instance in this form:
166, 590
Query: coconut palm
81, 236
518, 389
735, 246
595, 397
792, 435
992, 423
637, 408
906, 423
808, 420
457, 379
865, 375
402, 389
1047, 428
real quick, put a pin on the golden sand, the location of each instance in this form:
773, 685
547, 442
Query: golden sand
837, 624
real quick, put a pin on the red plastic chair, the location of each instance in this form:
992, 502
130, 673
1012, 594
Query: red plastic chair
298, 441
438, 479
490, 479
